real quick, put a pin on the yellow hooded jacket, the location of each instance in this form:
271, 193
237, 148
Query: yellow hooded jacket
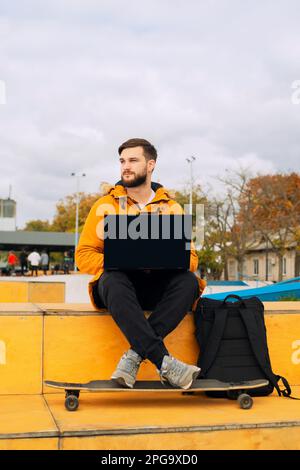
89, 253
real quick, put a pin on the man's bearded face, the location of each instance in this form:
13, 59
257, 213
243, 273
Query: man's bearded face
133, 167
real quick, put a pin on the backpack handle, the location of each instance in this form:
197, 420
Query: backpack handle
234, 296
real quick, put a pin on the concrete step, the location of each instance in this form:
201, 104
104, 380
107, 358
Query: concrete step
27, 423
112, 421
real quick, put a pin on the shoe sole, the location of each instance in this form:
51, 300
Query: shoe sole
194, 377
121, 381
186, 387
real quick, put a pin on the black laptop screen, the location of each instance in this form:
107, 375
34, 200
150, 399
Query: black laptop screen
147, 241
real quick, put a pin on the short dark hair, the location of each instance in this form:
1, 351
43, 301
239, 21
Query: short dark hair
149, 149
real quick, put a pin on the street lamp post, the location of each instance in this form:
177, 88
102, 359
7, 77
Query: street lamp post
77, 176
190, 160
267, 259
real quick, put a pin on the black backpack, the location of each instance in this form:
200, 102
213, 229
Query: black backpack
233, 344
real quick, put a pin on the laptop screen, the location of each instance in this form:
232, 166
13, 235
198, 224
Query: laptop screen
147, 241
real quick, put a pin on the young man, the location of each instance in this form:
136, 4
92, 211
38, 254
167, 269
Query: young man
12, 261
23, 262
170, 295
44, 261
34, 259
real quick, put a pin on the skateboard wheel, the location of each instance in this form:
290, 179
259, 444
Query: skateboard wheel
245, 401
71, 403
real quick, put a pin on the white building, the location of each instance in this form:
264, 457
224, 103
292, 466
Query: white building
7, 215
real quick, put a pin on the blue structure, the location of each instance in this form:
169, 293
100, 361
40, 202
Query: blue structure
226, 283
270, 293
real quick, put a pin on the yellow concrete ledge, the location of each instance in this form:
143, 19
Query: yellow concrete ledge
58, 308
19, 308
250, 439
21, 354
32, 291
27, 423
69, 309
73, 342
148, 421
75, 308
281, 307
33, 443
82, 348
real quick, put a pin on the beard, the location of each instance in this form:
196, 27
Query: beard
137, 180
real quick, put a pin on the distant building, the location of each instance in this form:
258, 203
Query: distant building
50, 241
262, 263
7, 215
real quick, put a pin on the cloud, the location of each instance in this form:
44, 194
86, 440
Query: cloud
210, 79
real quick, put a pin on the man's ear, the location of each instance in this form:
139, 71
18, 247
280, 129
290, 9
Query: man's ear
151, 165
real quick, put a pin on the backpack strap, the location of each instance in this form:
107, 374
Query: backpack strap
237, 297
214, 339
287, 391
258, 347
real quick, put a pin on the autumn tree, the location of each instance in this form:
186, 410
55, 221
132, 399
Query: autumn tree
64, 218
272, 204
38, 225
231, 235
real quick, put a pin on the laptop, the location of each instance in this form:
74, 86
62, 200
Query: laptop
147, 241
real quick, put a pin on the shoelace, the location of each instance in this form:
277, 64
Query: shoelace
130, 365
175, 369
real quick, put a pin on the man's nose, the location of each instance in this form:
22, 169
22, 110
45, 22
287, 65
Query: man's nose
126, 167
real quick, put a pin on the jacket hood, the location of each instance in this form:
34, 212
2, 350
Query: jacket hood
118, 190
154, 186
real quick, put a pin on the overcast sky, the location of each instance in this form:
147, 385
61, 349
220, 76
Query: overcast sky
209, 78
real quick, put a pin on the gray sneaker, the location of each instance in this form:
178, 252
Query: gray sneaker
127, 369
178, 373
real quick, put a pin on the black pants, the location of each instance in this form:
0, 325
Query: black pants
23, 268
35, 269
126, 294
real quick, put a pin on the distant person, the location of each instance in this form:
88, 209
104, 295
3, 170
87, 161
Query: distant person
23, 262
67, 262
56, 269
34, 258
12, 260
44, 261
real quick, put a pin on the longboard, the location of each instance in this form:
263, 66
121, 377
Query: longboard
236, 390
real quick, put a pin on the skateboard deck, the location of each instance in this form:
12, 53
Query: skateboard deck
235, 390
